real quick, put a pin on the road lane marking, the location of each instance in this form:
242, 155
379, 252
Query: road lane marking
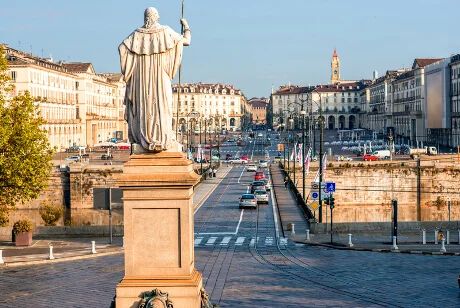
225, 240
240, 241
225, 233
268, 241
211, 241
198, 241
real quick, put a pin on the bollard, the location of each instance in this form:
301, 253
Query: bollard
436, 231
424, 237
459, 237
443, 247
1, 257
394, 247
50, 256
293, 229
448, 237
93, 247
308, 235
350, 244
123, 242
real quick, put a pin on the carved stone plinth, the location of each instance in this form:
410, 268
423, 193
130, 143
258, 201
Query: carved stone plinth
158, 223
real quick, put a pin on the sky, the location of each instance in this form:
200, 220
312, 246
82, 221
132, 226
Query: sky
251, 44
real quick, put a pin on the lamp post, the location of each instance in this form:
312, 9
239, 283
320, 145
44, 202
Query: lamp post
321, 131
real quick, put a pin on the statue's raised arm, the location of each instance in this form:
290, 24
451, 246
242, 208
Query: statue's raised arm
149, 59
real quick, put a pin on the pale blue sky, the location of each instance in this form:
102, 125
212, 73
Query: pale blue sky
250, 44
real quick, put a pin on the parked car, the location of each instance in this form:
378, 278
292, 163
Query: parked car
73, 158
261, 196
263, 163
382, 154
277, 159
215, 158
203, 160
236, 160
106, 156
228, 156
245, 158
257, 185
252, 167
231, 139
247, 200
85, 155
259, 175
260, 135
370, 157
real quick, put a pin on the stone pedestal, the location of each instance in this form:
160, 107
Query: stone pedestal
158, 223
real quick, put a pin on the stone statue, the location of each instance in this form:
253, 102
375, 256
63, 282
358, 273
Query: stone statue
149, 59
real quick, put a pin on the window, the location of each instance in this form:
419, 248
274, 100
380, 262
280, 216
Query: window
13, 75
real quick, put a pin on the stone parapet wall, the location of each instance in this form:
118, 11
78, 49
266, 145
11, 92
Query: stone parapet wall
365, 190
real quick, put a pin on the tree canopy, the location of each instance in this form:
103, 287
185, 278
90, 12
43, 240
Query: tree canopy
25, 152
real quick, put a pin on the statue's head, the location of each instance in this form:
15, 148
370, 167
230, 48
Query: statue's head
151, 17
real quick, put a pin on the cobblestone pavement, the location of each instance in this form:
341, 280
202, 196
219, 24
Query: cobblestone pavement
245, 264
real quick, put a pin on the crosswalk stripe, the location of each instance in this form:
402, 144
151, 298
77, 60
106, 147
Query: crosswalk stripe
253, 241
240, 241
283, 241
225, 240
269, 241
211, 241
198, 241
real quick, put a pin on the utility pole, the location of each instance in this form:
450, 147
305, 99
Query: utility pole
302, 112
419, 210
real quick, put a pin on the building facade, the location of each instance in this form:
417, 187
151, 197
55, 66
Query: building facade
455, 99
223, 105
81, 108
258, 110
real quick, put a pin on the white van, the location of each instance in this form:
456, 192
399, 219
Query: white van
382, 154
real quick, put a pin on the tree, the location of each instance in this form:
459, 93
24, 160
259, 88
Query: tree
25, 153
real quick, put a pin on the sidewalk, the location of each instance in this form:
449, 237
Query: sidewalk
288, 209
406, 243
65, 249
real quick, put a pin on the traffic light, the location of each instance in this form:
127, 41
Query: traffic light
331, 202
326, 201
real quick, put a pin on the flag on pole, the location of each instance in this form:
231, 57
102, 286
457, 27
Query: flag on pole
299, 155
307, 161
293, 154
198, 153
324, 170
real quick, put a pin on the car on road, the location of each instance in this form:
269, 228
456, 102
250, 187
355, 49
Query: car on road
268, 184
228, 156
215, 158
257, 185
260, 135
261, 195
344, 158
106, 156
259, 175
85, 155
245, 158
263, 163
231, 139
370, 157
277, 159
237, 160
248, 200
252, 167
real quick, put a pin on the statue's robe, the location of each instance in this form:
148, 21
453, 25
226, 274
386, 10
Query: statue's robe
149, 60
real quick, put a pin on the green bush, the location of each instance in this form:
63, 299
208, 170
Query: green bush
51, 213
21, 226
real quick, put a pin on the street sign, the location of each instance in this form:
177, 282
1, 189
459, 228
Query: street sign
314, 206
314, 185
330, 186
315, 195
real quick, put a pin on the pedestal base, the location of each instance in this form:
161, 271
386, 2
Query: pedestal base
183, 291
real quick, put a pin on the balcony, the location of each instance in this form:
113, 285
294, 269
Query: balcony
401, 113
416, 112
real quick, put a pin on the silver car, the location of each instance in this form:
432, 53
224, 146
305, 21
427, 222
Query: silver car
263, 163
261, 196
248, 200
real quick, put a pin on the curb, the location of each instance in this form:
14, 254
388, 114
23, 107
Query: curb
431, 253
72, 258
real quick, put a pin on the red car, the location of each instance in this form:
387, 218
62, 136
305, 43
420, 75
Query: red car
259, 176
245, 158
370, 157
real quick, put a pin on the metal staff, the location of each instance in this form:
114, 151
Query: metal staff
178, 86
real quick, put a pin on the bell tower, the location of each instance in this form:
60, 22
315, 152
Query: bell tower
335, 68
